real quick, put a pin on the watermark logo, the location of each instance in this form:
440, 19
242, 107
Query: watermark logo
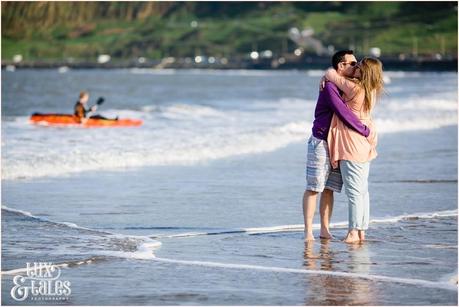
41, 283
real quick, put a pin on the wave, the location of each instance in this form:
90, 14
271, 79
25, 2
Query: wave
184, 111
144, 251
422, 105
300, 227
65, 224
413, 113
249, 230
377, 278
187, 134
144, 248
447, 282
385, 126
184, 149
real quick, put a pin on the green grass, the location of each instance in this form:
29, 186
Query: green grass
319, 21
385, 25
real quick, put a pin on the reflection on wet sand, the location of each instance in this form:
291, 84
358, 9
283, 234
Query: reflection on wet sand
337, 256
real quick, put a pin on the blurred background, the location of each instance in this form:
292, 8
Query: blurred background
266, 35
222, 152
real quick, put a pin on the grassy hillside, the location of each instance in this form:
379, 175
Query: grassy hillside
82, 30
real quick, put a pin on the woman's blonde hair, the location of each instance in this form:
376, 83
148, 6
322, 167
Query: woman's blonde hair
83, 93
371, 80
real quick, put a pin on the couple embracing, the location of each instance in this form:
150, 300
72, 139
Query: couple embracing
342, 144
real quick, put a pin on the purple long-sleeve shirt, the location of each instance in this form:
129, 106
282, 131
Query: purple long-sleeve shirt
330, 102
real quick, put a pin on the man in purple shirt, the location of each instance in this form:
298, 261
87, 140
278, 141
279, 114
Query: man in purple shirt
320, 176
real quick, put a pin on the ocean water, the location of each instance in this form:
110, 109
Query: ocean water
202, 204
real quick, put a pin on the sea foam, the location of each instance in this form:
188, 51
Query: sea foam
186, 133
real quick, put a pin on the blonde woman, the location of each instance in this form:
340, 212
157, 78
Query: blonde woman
349, 150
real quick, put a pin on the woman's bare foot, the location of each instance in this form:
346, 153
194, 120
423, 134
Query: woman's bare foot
325, 234
352, 237
362, 235
308, 237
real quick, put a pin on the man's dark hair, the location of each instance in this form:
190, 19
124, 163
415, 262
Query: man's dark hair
339, 57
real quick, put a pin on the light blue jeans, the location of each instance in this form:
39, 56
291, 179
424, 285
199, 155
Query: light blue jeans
355, 179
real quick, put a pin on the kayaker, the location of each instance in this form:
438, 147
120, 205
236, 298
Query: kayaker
80, 111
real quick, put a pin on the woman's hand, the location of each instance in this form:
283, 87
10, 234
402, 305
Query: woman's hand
322, 83
324, 79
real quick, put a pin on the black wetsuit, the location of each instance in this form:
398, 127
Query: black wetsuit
81, 112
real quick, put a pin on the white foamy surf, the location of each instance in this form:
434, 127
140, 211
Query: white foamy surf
144, 249
66, 224
376, 278
202, 129
300, 227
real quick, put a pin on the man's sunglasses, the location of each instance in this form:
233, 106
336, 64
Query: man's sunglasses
353, 63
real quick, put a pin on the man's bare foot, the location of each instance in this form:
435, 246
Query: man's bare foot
352, 237
308, 237
362, 235
325, 234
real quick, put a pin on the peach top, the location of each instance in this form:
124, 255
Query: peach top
343, 142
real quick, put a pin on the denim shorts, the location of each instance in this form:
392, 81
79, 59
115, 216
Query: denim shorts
319, 172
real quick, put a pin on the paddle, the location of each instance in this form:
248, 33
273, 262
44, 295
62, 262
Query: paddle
99, 101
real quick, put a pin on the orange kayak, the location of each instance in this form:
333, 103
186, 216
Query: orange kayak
71, 120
